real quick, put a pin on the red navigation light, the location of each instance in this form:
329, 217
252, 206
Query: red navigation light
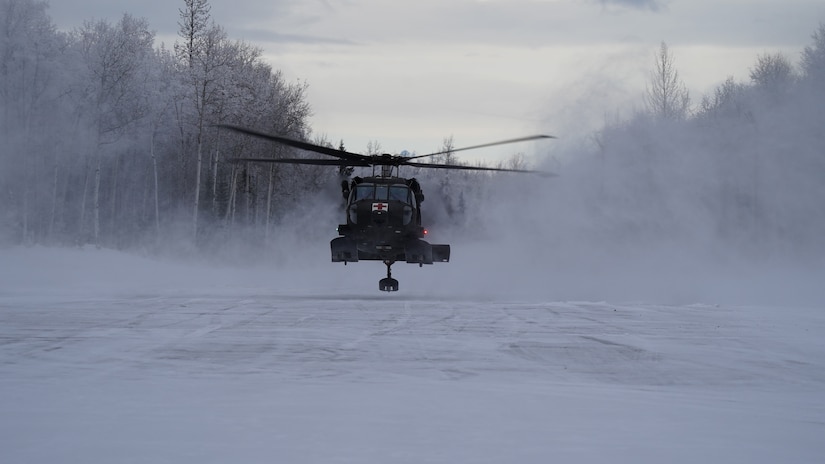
425, 231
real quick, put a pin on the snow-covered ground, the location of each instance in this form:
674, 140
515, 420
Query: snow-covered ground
112, 358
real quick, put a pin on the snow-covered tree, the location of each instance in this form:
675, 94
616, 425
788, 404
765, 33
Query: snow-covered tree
813, 59
30, 51
773, 75
202, 63
729, 100
115, 60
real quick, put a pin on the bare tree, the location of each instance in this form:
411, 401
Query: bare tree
772, 73
813, 58
194, 21
447, 146
160, 94
445, 184
666, 96
203, 60
373, 148
727, 100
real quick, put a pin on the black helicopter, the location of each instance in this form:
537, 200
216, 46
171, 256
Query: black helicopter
383, 210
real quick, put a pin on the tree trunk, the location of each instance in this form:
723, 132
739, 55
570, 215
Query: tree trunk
269, 202
198, 167
229, 218
53, 212
113, 227
215, 179
97, 198
155, 175
82, 224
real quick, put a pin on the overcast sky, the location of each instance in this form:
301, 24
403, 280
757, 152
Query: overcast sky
409, 74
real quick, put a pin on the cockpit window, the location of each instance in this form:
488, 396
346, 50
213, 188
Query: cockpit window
383, 192
364, 192
400, 193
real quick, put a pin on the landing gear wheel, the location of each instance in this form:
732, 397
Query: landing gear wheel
388, 284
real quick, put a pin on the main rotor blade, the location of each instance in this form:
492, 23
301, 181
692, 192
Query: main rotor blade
477, 168
354, 158
491, 144
316, 162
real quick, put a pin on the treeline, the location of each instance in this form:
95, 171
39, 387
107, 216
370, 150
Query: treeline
109, 139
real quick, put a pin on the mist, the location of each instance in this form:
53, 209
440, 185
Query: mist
721, 203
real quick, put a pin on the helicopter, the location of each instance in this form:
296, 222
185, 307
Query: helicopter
383, 210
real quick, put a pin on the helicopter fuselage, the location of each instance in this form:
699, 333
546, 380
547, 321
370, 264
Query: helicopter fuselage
384, 223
